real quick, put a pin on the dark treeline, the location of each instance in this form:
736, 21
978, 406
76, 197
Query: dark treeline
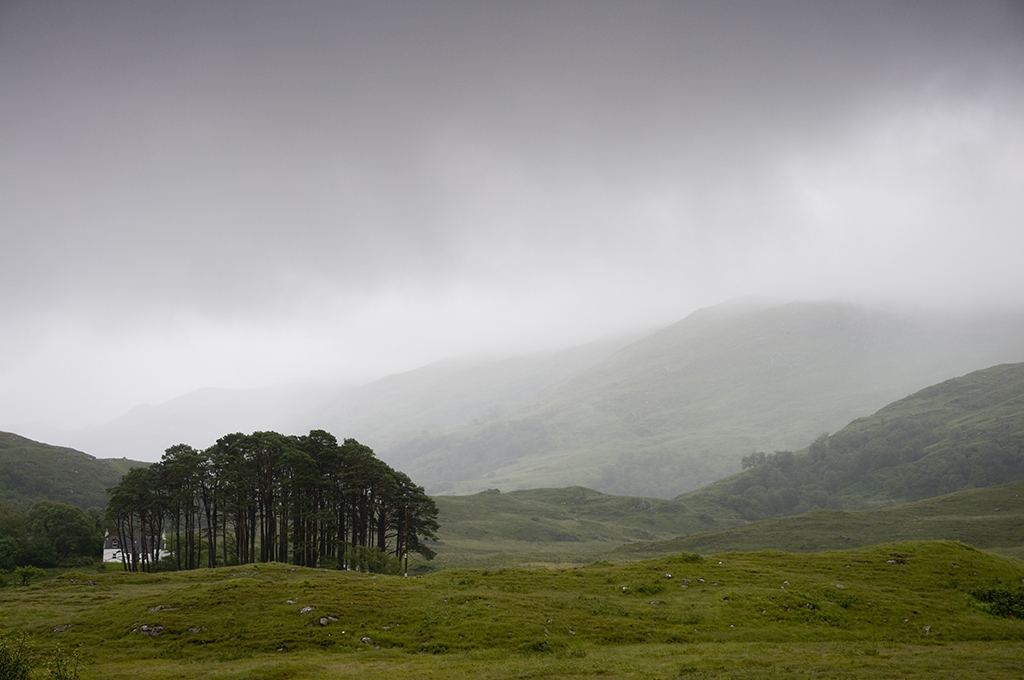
263, 497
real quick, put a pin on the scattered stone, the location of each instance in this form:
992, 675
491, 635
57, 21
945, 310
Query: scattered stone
152, 631
927, 630
162, 608
61, 629
572, 632
196, 630
367, 641
307, 609
656, 603
324, 620
291, 602
667, 575
785, 583
840, 586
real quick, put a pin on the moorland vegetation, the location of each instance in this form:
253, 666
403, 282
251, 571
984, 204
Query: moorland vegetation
258, 512
31, 471
912, 610
963, 433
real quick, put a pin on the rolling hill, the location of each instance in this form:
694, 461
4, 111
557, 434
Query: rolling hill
909, 610
680, 408
31, 471
991, 518
962, 433
651, 416
441, 395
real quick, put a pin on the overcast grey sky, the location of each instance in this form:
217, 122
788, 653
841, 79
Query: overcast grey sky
240, 193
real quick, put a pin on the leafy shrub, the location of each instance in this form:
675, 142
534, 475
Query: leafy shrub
1003, 601
14, 661
372, 560
26, 574
63, 665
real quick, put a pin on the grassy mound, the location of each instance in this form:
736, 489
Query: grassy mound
282, 621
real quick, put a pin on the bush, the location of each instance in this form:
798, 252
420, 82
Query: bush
63, 665
372, 560
14, 661
1003, 601
26, 574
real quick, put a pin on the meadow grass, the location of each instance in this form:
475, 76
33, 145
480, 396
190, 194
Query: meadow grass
740, 661
902, 609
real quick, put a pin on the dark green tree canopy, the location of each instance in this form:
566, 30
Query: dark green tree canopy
68, 528
264, 497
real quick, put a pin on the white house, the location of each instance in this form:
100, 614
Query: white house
112, 548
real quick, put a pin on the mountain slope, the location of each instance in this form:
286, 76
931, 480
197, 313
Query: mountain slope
962, 433
444, 394
681, 407
991, 518
31, 471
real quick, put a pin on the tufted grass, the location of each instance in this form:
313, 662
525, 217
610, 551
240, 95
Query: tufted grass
903, 609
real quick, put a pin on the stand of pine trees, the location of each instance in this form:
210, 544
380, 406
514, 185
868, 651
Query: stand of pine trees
263, 497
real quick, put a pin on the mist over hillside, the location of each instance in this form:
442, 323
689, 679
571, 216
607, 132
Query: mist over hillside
654, 415
440, 395
679, 408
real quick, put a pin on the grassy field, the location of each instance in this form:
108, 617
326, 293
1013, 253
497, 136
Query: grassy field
991, 518
901, 609
574, 526
552, 527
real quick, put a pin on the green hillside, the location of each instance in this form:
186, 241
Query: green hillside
553, 527
558, 527
31, 471
963, 433
912, 610
680, 408
991, 518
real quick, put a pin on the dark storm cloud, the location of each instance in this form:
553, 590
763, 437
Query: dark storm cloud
192, 190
